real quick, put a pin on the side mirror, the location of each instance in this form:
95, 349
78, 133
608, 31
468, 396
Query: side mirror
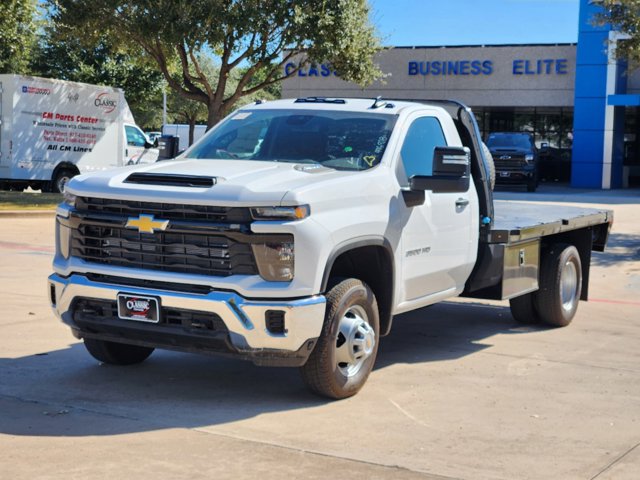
148, 145
451, 167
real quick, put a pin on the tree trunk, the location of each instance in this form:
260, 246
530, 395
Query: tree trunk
192, 128
214, 116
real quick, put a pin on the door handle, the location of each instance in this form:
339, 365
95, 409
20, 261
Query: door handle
462, 202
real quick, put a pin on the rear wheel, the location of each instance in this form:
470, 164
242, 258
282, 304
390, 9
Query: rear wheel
116, 353
560, 285
523, 309
61, 179
345, 353
532, 185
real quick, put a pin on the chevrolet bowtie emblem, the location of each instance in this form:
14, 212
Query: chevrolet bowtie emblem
147, 224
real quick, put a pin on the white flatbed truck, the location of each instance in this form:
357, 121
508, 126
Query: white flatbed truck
294, 231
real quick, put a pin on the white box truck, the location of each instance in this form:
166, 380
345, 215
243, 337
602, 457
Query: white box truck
181, 131
52, 130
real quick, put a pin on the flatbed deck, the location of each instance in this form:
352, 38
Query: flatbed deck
520, 221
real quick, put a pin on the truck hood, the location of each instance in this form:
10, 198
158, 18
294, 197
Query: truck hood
237, 182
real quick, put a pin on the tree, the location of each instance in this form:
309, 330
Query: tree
251, 40
624, 16
191, 112
101, 63
18, 27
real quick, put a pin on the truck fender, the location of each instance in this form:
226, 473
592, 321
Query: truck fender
382, 283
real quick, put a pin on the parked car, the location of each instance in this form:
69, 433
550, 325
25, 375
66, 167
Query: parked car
515, 157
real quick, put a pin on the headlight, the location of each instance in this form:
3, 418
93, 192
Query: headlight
64, 239
275, 260
280, 213
529, 157
69, 199
68, 203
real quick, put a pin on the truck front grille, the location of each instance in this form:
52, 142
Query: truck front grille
192, 253
513, 163
168, 211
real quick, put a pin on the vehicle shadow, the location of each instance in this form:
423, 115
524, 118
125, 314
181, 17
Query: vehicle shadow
621, 247
175, 390
446, 331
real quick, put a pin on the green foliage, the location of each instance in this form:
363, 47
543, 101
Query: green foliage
64, 57
251, 40
18, 27
624, 16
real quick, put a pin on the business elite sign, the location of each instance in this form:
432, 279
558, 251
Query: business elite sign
471, 67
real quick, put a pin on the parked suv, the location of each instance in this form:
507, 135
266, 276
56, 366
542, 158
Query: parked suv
516, 159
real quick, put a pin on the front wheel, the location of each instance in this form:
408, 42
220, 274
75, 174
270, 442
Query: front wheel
345, 353
115, 353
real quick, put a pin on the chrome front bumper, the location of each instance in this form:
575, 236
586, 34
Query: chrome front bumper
244, 319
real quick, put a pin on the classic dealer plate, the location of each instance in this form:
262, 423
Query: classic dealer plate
136, 307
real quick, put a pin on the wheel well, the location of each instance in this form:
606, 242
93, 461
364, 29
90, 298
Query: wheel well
64, 166
582, 239
374, 266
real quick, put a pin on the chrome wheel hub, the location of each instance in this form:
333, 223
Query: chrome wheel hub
356, 341
568, 285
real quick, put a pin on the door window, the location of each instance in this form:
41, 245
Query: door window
424, 135
135, 138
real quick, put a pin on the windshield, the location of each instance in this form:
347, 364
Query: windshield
334, 139
510, 140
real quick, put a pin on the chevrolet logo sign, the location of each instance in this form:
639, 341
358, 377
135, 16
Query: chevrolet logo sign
146, 224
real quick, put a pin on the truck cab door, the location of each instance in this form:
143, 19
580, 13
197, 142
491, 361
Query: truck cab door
439, 236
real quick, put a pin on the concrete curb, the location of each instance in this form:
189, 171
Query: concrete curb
26, 213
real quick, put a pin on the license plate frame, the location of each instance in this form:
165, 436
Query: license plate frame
139, 308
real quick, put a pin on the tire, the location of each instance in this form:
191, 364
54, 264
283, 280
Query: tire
116, 353
523, 309
490, 165
345, 353
532, 186
560, 285
61, 178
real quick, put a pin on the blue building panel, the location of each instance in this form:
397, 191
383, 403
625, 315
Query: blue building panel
592, 48
591, 81
588, 146
586, 175
589, 157
588, 10
588, 114
625, 100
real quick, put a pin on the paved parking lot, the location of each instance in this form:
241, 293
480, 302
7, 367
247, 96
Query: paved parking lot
459, 390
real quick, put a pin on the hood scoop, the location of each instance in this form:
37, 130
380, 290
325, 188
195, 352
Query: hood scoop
171, 179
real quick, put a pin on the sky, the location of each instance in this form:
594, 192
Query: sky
475, 22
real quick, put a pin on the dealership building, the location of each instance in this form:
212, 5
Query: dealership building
581, 105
